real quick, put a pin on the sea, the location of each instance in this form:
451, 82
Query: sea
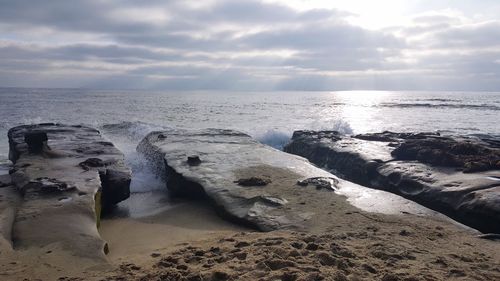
125, 117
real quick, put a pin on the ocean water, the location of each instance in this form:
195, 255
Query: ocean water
125, 117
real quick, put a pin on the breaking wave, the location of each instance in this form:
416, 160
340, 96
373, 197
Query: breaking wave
133, 130
279, 138
274, 138
126, 136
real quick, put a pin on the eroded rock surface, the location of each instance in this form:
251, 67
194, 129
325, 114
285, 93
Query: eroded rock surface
66, 175
247, 181
459, 176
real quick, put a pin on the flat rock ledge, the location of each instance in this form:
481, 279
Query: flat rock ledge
456, 175
65, 175
241, 177
248, 182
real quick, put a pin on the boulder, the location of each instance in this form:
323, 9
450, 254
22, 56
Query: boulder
455, 175
66, 175
251, 183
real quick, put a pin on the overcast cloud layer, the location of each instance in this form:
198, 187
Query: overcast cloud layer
245, 45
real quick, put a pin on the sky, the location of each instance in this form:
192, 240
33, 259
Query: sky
250, 45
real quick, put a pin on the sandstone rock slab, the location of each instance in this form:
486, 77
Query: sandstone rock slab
66, 175
276, 193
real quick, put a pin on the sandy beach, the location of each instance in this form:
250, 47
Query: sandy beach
190, 242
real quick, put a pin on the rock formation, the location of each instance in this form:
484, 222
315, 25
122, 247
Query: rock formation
459, 176
65, 175
249, 182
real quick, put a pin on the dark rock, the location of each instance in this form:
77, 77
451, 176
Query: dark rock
115, 186
46, 185
320, 183
253, 181
91, 162
192, 160
36, 141
470, 155
458, 176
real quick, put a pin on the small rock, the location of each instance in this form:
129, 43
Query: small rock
253, 181
404, 232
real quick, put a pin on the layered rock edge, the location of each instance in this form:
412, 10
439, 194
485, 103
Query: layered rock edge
456, 175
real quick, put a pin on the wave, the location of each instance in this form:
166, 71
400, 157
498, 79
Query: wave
441, 100
279, 138
441, 105
126, 136
274, 138
134, 130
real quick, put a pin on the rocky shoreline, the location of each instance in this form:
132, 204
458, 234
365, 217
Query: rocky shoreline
458, 176
312, 225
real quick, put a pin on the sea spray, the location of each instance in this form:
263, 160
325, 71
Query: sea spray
279, 138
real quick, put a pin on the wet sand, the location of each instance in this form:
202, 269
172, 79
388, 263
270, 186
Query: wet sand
133, 239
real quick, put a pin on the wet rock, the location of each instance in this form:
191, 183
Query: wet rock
63, 195
455, 175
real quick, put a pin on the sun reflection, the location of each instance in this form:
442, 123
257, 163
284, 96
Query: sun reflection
361, 109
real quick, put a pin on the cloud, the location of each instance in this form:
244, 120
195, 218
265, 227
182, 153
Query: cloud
239, 45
